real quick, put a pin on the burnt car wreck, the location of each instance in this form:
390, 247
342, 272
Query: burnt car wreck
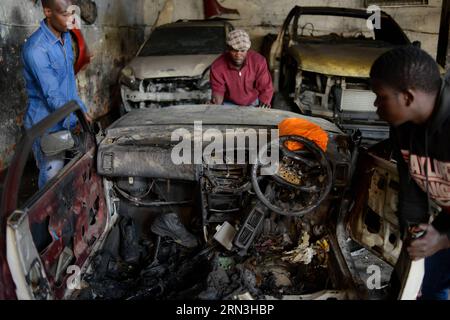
321, 59
208, 229
133, 222
172, 66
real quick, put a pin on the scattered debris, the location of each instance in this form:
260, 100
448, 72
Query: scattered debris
303, 253
358, 252
170, 269
245, 296
282, 277
225, 235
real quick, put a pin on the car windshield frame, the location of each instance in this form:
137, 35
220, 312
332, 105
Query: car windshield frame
350, 27
389, 31
185, 40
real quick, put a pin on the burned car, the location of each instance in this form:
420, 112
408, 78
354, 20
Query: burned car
322, 57
172, 66
144, 214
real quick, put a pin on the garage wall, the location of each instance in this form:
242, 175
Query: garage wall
260, 17
113, 39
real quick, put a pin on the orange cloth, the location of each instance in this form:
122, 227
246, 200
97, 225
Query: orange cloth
303, 128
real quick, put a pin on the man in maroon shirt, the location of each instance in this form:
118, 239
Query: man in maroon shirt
240, 76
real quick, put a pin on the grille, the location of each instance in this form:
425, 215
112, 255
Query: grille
170, 85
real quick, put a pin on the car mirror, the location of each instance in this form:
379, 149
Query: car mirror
417, 44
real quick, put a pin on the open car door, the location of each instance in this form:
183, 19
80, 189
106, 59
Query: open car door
373, 223
47, 240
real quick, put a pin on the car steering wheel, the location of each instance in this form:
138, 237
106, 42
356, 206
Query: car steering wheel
302, 182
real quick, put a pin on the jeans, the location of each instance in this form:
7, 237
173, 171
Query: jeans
48, 166
436, 281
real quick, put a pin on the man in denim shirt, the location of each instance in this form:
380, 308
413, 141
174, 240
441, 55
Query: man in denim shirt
50, 80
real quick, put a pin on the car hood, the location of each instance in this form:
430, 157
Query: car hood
346, 60
171, 66
186, 115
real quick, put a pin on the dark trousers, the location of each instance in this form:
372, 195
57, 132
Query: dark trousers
436, 281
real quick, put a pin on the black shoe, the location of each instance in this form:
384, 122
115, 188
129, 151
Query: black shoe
169, 225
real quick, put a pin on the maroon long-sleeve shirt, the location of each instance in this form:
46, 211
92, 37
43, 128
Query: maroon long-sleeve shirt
243, 86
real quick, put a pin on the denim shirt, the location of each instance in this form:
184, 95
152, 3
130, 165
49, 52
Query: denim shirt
49, 76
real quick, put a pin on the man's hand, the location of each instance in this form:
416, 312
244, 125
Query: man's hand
264, 106
88, 118
429, 244
216, 99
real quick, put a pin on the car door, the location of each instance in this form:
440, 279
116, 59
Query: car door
372, 219
47, 239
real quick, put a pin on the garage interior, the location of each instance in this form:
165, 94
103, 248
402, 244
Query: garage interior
114, 31
121, 27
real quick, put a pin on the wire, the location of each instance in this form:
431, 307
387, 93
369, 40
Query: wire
139, 202
140, 196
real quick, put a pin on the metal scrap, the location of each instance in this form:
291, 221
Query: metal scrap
281, 277
305, 251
